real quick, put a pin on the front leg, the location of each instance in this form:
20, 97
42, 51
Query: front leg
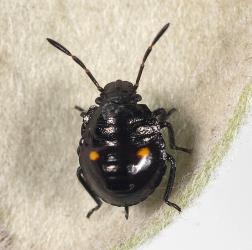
79, 108
171, 183
163, 115
89, 190
86, 114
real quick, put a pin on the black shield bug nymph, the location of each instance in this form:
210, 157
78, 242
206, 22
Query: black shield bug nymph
121, 151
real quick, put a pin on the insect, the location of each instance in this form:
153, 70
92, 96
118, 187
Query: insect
121, 152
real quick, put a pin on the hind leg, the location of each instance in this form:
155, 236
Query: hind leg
90, 191
126, 212
171, 183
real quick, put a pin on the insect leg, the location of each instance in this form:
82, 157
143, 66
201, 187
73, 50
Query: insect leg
172, 138
163, 114
171, 183
79, 108
89, 190
126, 212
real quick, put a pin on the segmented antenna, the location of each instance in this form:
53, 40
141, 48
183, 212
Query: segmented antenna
77, 60
147, 52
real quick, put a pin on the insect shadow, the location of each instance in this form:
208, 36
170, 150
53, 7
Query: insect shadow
46, 150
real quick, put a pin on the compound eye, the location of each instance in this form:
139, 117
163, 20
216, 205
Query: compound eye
94, 155
143, 152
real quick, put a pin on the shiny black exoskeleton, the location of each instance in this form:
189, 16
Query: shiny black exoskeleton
122, 153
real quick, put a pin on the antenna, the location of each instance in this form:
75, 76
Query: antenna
147, 52
77, 60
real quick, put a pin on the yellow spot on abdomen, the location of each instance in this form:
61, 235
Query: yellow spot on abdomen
94, 155
143, 152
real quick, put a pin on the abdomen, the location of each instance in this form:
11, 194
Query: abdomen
131, 159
